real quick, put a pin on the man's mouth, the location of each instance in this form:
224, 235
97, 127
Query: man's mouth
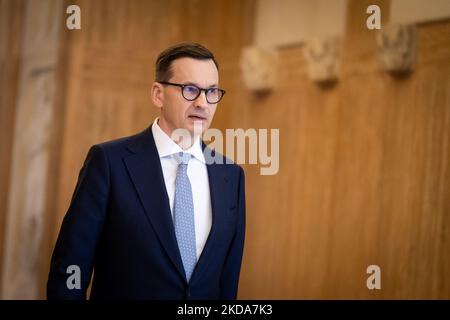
197, 117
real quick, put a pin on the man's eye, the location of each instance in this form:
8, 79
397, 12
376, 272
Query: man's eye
191, 89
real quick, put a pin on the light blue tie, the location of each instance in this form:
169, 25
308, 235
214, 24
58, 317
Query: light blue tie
184, 215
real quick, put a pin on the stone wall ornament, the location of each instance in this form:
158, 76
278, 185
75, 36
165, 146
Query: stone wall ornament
258, 68
396, 48
322, 58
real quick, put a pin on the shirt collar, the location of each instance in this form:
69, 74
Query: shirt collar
166, 146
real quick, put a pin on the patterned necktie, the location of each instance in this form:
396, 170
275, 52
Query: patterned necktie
184, 215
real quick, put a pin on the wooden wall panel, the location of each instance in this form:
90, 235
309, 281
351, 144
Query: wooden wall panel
11, 16
364, 176
31, 150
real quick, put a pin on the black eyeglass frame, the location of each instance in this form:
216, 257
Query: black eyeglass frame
182, 86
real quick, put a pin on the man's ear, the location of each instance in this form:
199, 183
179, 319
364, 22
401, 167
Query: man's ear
157, 94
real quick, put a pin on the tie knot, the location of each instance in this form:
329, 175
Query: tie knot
182, 157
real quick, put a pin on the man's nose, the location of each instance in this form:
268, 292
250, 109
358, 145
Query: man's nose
201, 101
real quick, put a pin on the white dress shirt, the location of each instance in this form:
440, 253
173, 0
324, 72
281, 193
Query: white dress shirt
198, 176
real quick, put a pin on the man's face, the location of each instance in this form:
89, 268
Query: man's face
176, 111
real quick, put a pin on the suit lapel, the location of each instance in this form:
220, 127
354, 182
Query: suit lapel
145, 170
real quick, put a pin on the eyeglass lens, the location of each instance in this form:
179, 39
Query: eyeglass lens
213, 95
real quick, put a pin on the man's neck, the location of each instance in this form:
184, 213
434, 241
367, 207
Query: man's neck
184, 138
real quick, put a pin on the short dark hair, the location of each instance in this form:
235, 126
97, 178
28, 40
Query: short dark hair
193, 50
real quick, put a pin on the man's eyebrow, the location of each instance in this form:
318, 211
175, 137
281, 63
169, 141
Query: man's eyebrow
192, 83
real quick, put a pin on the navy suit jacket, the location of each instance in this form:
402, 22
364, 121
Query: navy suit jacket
119, 227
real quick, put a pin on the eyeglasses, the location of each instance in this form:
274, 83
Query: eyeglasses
191, 92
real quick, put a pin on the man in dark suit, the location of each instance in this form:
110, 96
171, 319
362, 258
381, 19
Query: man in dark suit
150, 216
